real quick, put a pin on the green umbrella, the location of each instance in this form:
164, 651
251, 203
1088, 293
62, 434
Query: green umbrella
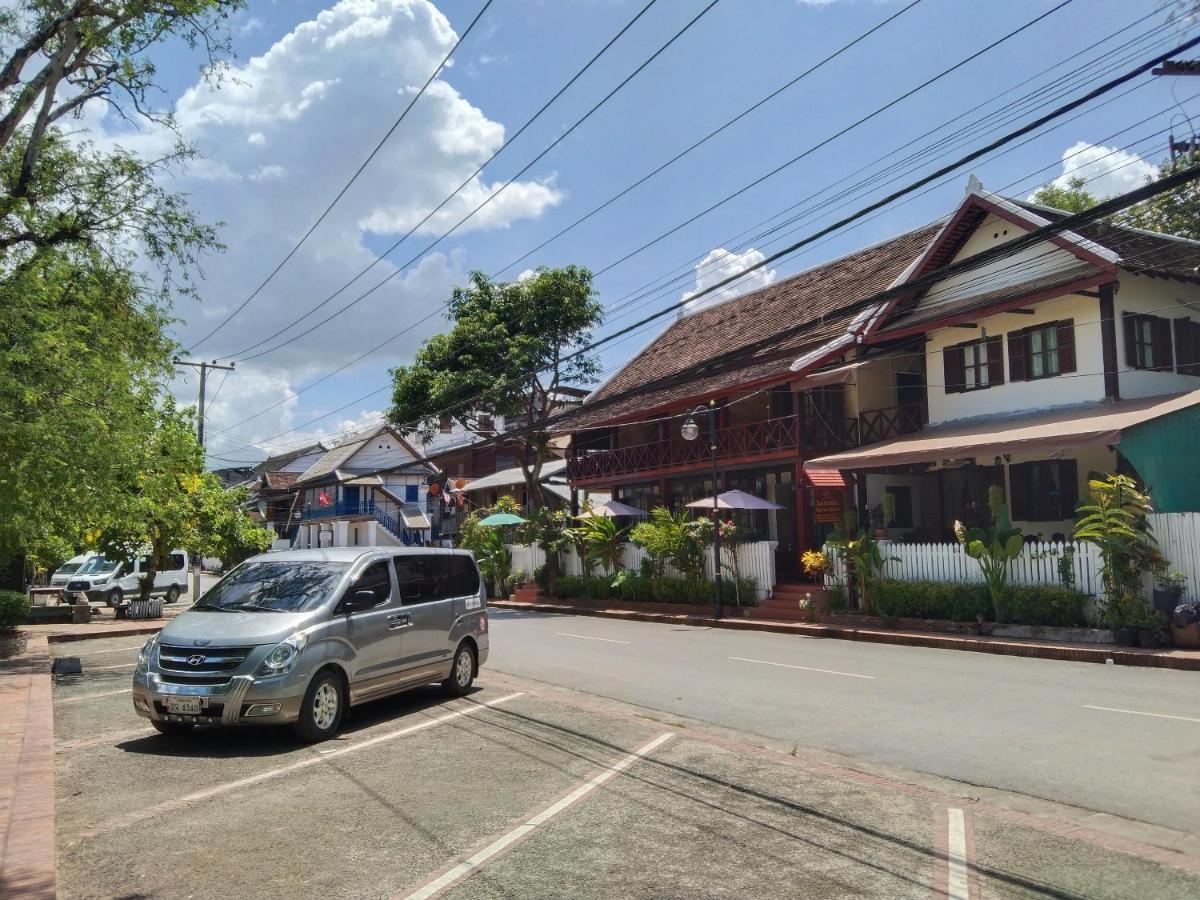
502, 519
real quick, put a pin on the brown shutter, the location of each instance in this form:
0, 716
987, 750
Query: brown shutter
1019, 479
956, 376
1129, 322
1164, 359
1187, 347
1066, 346
995, 360
1016, 355
1068, 483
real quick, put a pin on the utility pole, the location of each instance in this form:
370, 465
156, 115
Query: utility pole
203, 367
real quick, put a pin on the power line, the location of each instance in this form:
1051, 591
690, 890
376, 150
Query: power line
366, 162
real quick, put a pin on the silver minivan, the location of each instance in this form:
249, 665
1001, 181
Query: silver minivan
299, 636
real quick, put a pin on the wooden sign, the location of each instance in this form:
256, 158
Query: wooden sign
827, 506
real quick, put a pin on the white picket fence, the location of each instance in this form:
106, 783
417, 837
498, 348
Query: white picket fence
755, 560
1038, 564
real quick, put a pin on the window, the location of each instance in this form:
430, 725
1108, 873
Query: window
445, 424
1187, 347
974, 365
902, 498
375, 579
1044, 491
1041, 351
464, 580
411, 493
286, 586
485, 423
421, 578
174, 563
1148, 342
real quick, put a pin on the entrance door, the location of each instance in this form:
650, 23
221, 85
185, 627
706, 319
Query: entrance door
787, 553
350, 497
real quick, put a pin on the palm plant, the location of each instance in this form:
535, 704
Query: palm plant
603, 542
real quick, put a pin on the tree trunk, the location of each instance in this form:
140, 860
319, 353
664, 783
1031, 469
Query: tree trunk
146, 585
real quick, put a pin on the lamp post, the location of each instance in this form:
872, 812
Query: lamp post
690, 431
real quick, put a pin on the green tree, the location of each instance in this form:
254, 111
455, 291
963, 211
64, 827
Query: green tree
603, 542
504, 356
1072, 198
1117, 523
1176, 212
170, 501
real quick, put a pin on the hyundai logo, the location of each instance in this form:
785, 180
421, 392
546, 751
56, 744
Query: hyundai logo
195, 659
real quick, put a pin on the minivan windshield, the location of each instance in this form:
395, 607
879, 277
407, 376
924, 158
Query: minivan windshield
98, 565
274, 587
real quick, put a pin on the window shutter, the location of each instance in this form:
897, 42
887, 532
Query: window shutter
1019, 478
956, 377
1068, 480
1164, 359
1129, 322
995, 360
1066, 346
1187, 347
1016, 355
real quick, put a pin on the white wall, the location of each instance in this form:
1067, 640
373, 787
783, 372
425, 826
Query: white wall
1158, 298
380, 452
1083, 385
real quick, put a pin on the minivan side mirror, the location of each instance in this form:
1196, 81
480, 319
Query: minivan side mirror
359, 600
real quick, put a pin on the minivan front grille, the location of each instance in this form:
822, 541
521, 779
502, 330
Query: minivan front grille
200, 660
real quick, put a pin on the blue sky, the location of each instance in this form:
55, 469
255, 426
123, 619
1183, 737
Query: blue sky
317, 83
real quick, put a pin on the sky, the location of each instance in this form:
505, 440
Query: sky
315, 85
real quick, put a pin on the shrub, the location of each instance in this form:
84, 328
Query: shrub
1042, 605
14, 610
541, 578
932, 600
838, 602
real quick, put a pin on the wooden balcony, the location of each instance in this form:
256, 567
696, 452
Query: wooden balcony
787, 438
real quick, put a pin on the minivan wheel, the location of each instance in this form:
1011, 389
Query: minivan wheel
172, 593
115, 596
172, 728
462, 673
321, 710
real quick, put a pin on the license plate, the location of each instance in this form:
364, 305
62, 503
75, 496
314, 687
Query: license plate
185, 706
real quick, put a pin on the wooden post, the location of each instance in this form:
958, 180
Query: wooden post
1108, 340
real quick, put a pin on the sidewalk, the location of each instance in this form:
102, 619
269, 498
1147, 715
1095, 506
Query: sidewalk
1122, 656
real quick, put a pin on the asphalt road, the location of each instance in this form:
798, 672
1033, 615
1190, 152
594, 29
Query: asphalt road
1118, 740
526, 789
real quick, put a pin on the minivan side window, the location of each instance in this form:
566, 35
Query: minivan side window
174, 563
464, 580
422, 578
375, 579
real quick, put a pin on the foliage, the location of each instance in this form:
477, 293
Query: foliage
602, 542
993, 547
1072, 197
636, 588
955, 601
495, 562
883, 513
505, 355
14, 610
1066, 566
1172, 581
838, 601
547, 528
1042, 604
859, 550
471, 535
542, 579
675, 539
1116, 522
169, 501
816, 564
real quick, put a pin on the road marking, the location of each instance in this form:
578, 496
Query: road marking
131, 818
588, 637
958, 885
1134, 712
764, 662
465, 868
79, 697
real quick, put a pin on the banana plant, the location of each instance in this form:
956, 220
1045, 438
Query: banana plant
993, 547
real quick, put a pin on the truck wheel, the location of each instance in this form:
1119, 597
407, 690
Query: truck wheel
172, 593
462, 673
115, 596
322, 708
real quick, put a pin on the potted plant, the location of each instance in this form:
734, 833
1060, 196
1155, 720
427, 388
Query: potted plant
1124, 614
1169, 586
816, 565
882, 515
1151, 629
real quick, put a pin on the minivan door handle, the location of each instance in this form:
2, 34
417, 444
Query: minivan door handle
399, 620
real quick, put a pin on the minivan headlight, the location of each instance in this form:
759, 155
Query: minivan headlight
283, 656
144, 656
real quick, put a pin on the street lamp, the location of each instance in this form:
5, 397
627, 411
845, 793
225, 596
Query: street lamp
690, 431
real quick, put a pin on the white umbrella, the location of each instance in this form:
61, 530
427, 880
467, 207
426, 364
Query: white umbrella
610, 509
735, 500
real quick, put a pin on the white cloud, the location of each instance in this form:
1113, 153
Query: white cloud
526, 274
250, 26
1108, 170
277, 140
720, 264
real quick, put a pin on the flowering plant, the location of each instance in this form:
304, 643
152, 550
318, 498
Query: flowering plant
815, 563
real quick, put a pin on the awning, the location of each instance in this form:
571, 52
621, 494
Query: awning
824, 477
414, 517
513, 477
365, 481
1047, 432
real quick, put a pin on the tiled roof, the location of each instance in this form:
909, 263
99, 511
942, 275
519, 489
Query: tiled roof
278, 481
816, 296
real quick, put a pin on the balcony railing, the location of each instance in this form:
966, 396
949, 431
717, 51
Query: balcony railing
774, 438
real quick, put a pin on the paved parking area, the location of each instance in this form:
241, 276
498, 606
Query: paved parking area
527, 790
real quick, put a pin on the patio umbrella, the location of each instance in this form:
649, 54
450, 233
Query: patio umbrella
502, 519
735, 500
610, 509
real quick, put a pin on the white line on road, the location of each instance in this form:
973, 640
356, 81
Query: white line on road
92, 695
1134, 712
588, 637
957, 883
764, 662
141, 815
478, 859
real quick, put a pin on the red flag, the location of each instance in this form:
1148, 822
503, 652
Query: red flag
323, 499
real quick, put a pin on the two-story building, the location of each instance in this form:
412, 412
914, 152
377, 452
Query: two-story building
1075, 355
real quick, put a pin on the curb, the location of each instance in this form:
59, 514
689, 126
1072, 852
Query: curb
1030, 648
132, 631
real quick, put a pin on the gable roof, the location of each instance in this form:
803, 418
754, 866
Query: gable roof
674, 367
274, 463
330, 465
